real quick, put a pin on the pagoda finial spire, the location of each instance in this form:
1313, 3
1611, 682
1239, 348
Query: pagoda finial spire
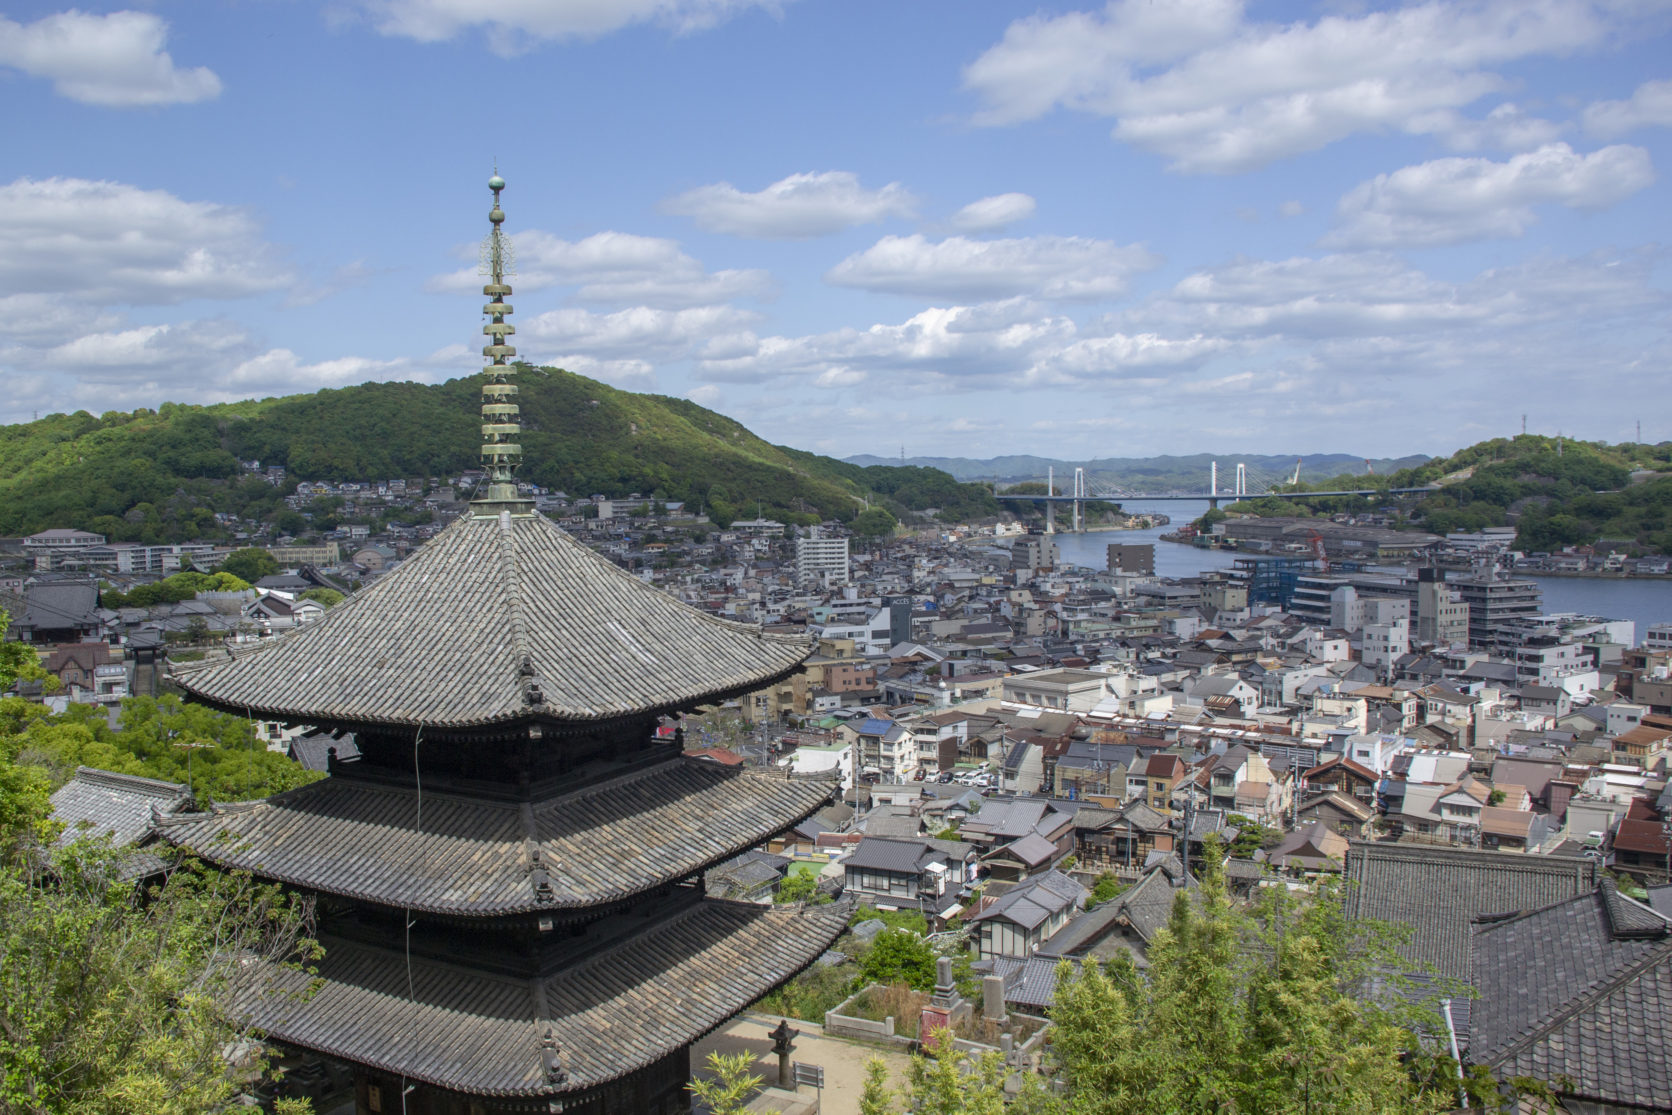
501, 425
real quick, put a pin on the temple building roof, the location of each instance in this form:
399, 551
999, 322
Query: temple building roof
477, 857
586, 1024
498, 620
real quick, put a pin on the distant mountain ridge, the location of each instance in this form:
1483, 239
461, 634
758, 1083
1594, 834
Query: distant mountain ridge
1162, 474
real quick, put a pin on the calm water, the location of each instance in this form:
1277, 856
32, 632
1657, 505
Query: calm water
1644, 602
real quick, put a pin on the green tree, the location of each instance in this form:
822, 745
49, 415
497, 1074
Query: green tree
1260, 1011
250, 564
946, 1082
798, 886
900, 956
874, 522
329, 597
1211, 516
114, 1003
731, 1086
876, 1098
17, 660
1108, 886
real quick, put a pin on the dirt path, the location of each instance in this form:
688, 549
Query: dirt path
843, 1060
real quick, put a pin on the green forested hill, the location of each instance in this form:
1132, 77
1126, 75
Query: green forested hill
1556, 492
161, 475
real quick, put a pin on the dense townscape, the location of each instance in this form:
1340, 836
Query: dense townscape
1034, 760
1098, 559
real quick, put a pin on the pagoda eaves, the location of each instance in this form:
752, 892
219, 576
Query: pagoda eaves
497, 621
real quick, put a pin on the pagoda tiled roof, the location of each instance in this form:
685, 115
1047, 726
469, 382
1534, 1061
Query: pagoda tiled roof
644, 995
477, 857
496, 621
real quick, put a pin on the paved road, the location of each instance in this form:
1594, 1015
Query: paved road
843, 1060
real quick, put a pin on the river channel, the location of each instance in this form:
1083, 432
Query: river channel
1642, 601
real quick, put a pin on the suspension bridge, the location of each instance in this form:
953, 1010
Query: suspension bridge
1246, 484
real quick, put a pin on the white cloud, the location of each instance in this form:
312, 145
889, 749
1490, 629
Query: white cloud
1058, 267
511, 24
638, 333
115, 60
990, 214
794, 208
1343, 310
281, 372
189, 361
1505, 128
993, 344
1649, 106
1351, 295
147, 346
1448, 201
619, 267
108, 242
705, 395
633, 375
1318, 348
1079, 59
1215, 93
1291, 209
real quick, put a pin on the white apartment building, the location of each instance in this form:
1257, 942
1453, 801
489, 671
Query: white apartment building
821, 561
1382, 644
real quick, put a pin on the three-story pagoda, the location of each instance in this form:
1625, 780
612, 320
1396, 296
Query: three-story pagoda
510, 875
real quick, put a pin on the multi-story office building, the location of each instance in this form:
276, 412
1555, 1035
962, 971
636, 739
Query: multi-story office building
1494, 601
1129, 558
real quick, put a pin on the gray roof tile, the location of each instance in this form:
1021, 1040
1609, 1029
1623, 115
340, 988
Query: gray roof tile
636, 1000
118, 806
1580, 990
497, 620
357, 837
1439, 891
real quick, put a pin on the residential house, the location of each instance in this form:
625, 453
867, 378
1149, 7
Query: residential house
1226, 697
1311, 849
1513, 830
1027, 915
1575, 994
1162, 774
1122, 840
920, 874
75, 664
1340, 813
1339, 774
1067, 690
1095, 771
1438, 893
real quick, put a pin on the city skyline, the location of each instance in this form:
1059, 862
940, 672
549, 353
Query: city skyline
1092, 231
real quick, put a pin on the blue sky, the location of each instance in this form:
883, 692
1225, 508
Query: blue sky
962, 228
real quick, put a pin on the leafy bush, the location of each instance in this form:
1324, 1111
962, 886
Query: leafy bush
898, 956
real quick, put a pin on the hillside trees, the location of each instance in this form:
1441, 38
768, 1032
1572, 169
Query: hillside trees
157, 476
250, 564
